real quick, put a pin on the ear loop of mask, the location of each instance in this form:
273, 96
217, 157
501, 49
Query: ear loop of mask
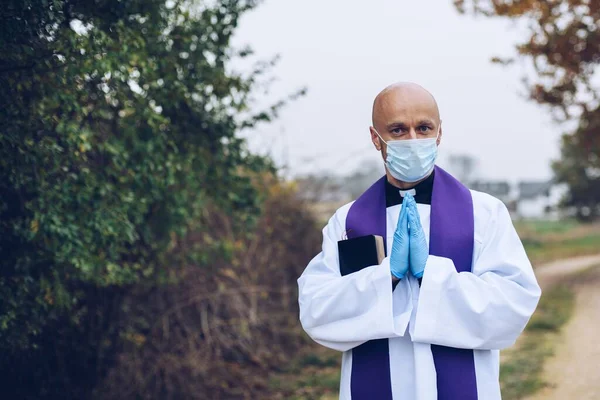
380, 136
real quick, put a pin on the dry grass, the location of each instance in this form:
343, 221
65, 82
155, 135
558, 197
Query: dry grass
313, 375
222, 328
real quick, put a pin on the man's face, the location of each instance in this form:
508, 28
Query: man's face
404, 113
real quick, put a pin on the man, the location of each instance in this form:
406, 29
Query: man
456, 285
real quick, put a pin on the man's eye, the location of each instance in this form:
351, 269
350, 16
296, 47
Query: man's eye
424, 128
397, 131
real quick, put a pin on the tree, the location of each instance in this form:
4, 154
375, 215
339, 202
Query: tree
579, 167
563, 45
118, 128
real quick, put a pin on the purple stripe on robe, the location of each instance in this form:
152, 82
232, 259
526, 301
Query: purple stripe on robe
451, 236
370, 378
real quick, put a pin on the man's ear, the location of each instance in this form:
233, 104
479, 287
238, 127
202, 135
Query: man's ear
375, 138
439, 139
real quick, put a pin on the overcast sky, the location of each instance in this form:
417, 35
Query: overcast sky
345, 52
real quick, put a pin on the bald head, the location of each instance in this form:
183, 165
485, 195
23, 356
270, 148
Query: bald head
404, 111
403, 100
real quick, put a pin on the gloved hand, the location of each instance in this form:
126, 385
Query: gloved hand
418, 249
399, 255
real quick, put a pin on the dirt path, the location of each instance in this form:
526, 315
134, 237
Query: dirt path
574, 370
549, 273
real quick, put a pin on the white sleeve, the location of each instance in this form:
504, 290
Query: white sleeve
484, 309
342, 312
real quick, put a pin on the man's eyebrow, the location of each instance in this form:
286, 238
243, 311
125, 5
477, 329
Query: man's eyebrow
426, 121
397, 124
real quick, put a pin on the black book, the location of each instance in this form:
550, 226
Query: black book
358, 253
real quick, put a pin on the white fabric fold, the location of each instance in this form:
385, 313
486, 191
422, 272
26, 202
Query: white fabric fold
342, 312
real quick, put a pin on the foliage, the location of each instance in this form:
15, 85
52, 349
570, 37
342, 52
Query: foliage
221, 331
217, 332
117, 132
579, 167
563, 44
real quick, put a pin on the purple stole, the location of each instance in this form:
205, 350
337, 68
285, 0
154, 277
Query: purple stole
451, 236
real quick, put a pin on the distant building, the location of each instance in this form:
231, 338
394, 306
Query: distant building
540, 200
526, 199
498, 189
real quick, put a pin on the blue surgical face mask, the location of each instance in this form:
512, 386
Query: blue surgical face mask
410, 160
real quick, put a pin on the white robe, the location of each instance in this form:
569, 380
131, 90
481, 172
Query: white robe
484, 310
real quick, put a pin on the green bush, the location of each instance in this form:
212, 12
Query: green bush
118, 128
124, 187
216, 332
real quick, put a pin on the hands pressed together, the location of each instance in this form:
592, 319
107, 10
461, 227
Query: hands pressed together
409, 248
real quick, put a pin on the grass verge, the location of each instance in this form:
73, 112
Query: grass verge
553, 240
544, 251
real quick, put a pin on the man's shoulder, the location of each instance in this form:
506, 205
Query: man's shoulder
484, 203
485, 199
339, 216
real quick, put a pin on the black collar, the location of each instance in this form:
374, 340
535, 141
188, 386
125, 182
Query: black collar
423, 192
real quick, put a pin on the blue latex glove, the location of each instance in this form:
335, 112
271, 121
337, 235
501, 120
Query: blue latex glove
418, 249
400, 246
